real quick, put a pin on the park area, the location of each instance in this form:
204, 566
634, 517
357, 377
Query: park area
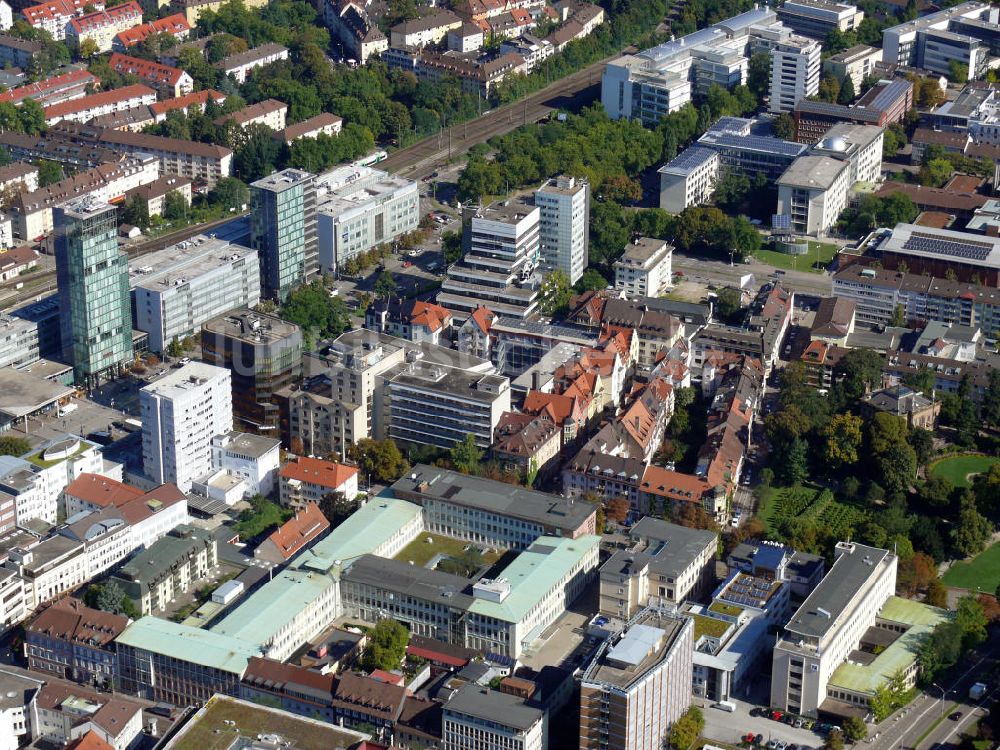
959, 470
817, 259
981, 573
780, 504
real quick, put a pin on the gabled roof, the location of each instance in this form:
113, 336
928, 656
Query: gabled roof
558, 407
90, 741
102, 18
317, 471
71, 620
174, 24
195, 98
99, 99
293, 535
101, 491
356, 692
483, 318
148, 70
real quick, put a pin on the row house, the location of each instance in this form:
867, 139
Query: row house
54, 16
527, 444
241, 64
168, 81
176, 25
358, 31
186, 103
86, 108
103, 26
53, 90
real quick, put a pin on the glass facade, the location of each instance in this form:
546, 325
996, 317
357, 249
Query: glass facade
283, 230
92, 274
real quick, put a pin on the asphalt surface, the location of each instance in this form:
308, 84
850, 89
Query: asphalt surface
716, 271
423, 157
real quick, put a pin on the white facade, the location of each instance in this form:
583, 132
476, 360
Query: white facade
564, 231
795, 68
927, 42
180, 288
156, 525
481, 718
12, 609
856, 63
6, 15
181, 413
104, 103
813, 192
645, 269
358, 208
253, 457
829, 626
689, 179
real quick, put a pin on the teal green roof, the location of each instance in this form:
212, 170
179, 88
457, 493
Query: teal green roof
367, 529
533, 573
921, 619
273, 606
189, 644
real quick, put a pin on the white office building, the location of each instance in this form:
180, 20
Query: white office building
180, 287
645, 269
358, 208
255, 458
859, 145
795, 68
477, 716
181, 413
688, 179
817, 18
933, 41
813, 192
829, 625
502, 255
564, 225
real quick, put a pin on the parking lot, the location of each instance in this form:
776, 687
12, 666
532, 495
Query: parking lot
732, 727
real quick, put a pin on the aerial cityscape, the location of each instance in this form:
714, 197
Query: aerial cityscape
499, 375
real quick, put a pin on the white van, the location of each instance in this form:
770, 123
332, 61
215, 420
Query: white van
67, 409
726, 706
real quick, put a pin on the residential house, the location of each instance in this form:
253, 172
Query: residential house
294, 535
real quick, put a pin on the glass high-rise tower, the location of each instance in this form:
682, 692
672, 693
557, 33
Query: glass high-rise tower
283, 230
92, 273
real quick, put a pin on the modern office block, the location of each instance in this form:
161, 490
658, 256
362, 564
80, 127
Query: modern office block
795, 68
962, 34
283, 230
263, 354
92, 275
813, 192
502, 255
564, 225
644, 270
181, 413
177, 289
360, 208
688, 179
477, 716
817, 18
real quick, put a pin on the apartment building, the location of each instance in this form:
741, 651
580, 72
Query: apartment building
410, 319
254, 458
359, 208
492, 513
205, 163
936, 40
357, 30
271, 113
168, 81
181, 413
564, 225
103, 26
856, 63
170, 566
427, 29
795, 68
644, 270
53, 466
240, 65
688, 179
663, 564
324, 123
62, 713
92, 275
18, 53
53, 90
263, 354
477, 715
12, 605
283, 230
54, 17
502, 253
193, 101
637, 685
86, 108
817, 18
308, 480
74, 642
829, 625
177, 289
176, 25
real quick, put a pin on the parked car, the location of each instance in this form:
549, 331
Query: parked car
758, 740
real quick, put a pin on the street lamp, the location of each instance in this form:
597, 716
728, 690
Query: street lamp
943, 694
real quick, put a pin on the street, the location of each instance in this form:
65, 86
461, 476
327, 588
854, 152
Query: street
716, 271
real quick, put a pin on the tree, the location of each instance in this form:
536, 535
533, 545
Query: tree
834, 741
847, 94
13, 446
136, 212
88, 48
555, 293
618, 509
922, 442
970, 617
621, 189
854, 728
262, 515
451, 246
898, 318
957, 72
592, 280
386, 647
973, 530
729, 302
385, 285
916, 573
379, 459
466, 456
759, 74
174, 206
337, 507
174, 348
937, 594
991, 607
230, 193
256, 152
313, 309
32, 118
896, 466
784, 127
843, 440
686, 730
796, 464
990, 408
936, 491
49, 172
857, 373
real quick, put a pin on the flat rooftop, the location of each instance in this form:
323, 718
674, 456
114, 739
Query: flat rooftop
223, 721
175, 265
186, 643
815, 172
943, 244
648, 640
425, 482
423, 583
827, 605
22, 394
250, 326
178, 381
483, 703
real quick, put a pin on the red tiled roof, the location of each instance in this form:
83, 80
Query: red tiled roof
148, 70
102, 18
436, 656
134, 91
199, 98
21, 255
430, 315
317, 471
54, 9
138, 509
278, 676
298, 531
90, 741
175, 24
483, 317
934, 197
101, 491
71, 620
672, 484
77, 77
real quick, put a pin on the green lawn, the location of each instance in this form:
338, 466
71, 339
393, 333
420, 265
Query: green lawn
709, 626
982, 572
723, 608
420, 552
958, 468
816, 260
809, 501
